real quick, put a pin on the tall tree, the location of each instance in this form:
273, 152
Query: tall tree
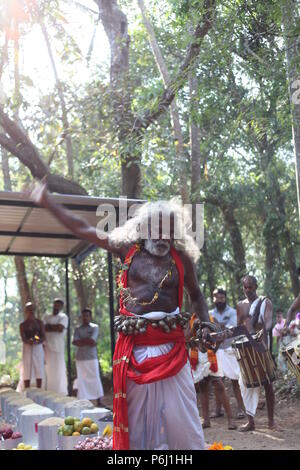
290, 19
130, 128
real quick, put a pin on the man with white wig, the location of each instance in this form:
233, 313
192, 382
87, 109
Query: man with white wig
155, 404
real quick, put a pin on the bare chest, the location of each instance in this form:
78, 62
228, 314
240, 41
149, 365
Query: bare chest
150, 270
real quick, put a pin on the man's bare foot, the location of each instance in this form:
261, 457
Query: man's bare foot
274, 427
247, 427
231, 425
206, 424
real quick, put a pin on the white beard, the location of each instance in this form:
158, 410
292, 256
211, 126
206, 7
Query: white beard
157, 249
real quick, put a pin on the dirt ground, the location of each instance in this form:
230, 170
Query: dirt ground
287, 416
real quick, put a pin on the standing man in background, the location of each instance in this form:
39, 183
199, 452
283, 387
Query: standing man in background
33, 335
226, 317
255, 313
88, 377
56, 326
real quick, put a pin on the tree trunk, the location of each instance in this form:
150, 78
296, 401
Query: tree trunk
289, 16
291, 262
211, 279
5, 170
65, 121
19, 261
79, 286
177, 130
115, 24
195, 139
237, 246
19, 145
22, 281
131, 128
77, 279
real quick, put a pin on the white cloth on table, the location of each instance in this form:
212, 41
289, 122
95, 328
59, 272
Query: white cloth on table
33, 361
88, 380
228, 363
163, 415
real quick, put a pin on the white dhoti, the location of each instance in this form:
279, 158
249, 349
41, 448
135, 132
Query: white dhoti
56, 374
203, 368
163, 415
89, 383
33, 361
228, 363
250, 397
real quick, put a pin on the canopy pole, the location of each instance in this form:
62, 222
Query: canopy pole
111, 303
69, 328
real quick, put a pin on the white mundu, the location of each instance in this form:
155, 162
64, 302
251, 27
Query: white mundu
251, 395
55, 366
163, 415
33, 361
88, 380
227, 361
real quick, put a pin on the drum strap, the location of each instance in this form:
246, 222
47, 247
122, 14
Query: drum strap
257, 312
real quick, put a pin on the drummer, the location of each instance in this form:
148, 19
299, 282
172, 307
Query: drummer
254, 312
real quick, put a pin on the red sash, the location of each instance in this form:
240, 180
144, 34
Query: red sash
150, 370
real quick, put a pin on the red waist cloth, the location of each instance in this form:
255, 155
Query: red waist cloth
150, 370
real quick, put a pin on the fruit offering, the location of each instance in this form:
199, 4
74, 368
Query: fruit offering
95, 443
107, 432
6, 431
23, 446
75, 427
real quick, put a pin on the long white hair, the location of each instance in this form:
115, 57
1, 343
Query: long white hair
136, 228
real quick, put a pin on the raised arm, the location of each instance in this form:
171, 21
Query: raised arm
79, 226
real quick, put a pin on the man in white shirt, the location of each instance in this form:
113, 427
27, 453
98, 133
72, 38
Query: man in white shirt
56, 326
87, 364
226, 317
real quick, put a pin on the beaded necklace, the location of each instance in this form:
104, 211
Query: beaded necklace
125, 291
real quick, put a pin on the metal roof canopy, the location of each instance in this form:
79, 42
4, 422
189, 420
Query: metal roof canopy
29, 230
